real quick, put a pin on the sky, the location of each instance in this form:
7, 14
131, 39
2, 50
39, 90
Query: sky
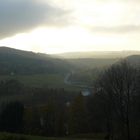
55, 26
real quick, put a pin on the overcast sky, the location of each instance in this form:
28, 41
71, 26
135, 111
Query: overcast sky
54, 26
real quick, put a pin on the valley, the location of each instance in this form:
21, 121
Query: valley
58, 97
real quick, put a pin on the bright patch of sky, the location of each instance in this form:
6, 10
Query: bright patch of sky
55, 26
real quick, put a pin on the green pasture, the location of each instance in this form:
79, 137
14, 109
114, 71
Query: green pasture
41, 80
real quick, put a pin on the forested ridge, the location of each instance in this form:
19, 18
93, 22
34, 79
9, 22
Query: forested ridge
14, 61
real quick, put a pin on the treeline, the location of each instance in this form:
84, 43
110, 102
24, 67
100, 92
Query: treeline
117, 102
57, 117
39, 111
113, 108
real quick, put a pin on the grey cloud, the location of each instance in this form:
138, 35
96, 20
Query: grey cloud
117, 29
22, 15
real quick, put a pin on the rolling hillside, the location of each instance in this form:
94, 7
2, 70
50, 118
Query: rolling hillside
13, 61
134, 60
90, 63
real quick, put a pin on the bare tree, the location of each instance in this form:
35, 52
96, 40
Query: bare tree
118, 85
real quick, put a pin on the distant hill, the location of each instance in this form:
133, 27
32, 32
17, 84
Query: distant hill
28, 54
134, 59
97, 54
90, 63
13, 61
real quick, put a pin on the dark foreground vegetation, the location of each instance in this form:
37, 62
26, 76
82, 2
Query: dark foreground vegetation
11, 136
112, 110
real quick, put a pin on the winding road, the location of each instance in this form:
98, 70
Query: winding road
86, 88
75, 83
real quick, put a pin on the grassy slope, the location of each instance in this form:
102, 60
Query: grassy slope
41, 80
24, 62
38, 80
8, 136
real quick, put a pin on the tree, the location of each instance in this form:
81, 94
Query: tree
11, 117
78, 122
118, 86
10, 87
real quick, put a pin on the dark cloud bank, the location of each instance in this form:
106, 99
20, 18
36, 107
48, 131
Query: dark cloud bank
22, 15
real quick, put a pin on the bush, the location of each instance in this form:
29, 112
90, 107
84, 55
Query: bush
6, 136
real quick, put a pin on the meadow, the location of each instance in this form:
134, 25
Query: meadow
9, 136
41, 80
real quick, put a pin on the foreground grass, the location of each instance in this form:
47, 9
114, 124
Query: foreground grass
9, 136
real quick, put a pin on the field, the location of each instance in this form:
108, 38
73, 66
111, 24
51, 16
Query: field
38, 80
8, 136
41, 80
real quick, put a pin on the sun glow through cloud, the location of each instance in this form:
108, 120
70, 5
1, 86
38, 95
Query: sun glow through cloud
90, 25
54, 40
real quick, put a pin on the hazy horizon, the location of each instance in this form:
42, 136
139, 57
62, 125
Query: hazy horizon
78, 52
